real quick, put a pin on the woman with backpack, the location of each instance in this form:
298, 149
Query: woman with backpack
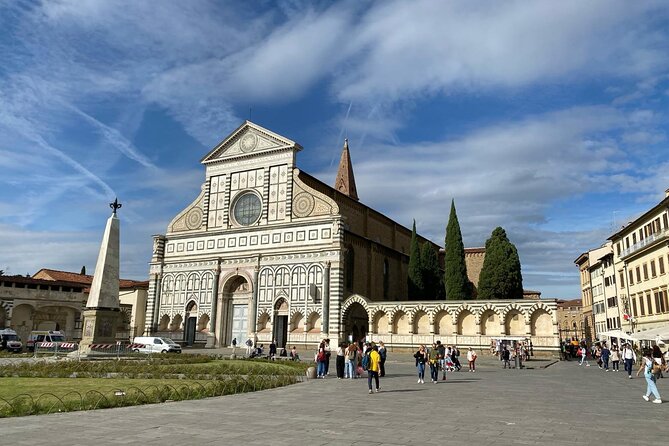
421, 359
350, 361
650, 369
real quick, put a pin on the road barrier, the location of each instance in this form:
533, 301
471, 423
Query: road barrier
54, 348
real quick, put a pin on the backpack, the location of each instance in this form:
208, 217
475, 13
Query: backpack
366, 362
320, 357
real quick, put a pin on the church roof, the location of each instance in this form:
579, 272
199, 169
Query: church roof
84, 279
345, 181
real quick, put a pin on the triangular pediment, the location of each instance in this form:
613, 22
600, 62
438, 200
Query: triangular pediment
249, 139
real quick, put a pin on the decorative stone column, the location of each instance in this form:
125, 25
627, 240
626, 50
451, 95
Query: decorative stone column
211, 338
254, 301
326, 299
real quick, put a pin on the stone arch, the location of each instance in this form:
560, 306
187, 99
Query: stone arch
514, 322
164, 322
443, 321
420, 321
264, 322
355, 317
231, 282
314, 322
490, 321
541, 323
512, 307
539, 306
356, 298
401, 322
466, 324
281, 304
203, 323
380, 322
176, 324
297, 322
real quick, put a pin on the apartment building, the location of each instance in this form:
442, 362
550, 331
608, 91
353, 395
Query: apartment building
583, 263
641, 262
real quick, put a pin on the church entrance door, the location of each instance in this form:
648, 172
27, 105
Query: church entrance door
281, 331
191, 322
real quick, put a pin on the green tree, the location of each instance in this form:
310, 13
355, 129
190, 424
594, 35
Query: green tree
456, 282
431, 273
500, 276
415, 279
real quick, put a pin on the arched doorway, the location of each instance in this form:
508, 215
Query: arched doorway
236, 297
356, 322
191, 323
280, 333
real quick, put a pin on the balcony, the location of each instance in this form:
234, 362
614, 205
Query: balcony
648, 241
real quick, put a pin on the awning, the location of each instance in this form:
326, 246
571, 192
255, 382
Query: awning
617, 334
661, 333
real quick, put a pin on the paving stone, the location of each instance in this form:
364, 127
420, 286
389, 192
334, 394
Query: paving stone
492, 406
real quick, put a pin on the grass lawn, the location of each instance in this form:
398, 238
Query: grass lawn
13, 387
30, 388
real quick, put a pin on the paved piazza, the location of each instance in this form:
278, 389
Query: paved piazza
561, 404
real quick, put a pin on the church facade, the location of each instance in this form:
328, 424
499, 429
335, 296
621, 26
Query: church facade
266, 251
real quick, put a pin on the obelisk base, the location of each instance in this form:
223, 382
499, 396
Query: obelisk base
99, 328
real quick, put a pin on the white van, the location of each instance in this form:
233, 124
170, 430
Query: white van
155, 344
10, 341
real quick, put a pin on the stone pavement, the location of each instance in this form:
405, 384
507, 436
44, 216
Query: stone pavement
563, 404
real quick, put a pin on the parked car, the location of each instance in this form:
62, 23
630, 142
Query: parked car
155, 344
44, 336
10, 341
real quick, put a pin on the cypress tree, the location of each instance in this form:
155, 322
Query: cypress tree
415, 279
500, 277
455, 268
431, 272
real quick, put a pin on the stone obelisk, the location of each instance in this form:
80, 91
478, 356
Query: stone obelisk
102, 313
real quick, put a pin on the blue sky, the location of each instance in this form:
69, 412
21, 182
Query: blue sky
549, 119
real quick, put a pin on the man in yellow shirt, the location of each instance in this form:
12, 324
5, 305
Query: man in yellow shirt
373, 368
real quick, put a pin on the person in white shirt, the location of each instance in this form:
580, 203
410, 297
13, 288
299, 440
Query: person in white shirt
630, 358
471, 359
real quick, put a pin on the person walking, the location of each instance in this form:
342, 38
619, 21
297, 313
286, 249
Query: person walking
442, 359
471, 359
605, 354
272, 349
433, 356
341, 355
651, 380
455, 357
629, 357
384, 354
584, 354
615, 358
374, 368
421, 359
506, 356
